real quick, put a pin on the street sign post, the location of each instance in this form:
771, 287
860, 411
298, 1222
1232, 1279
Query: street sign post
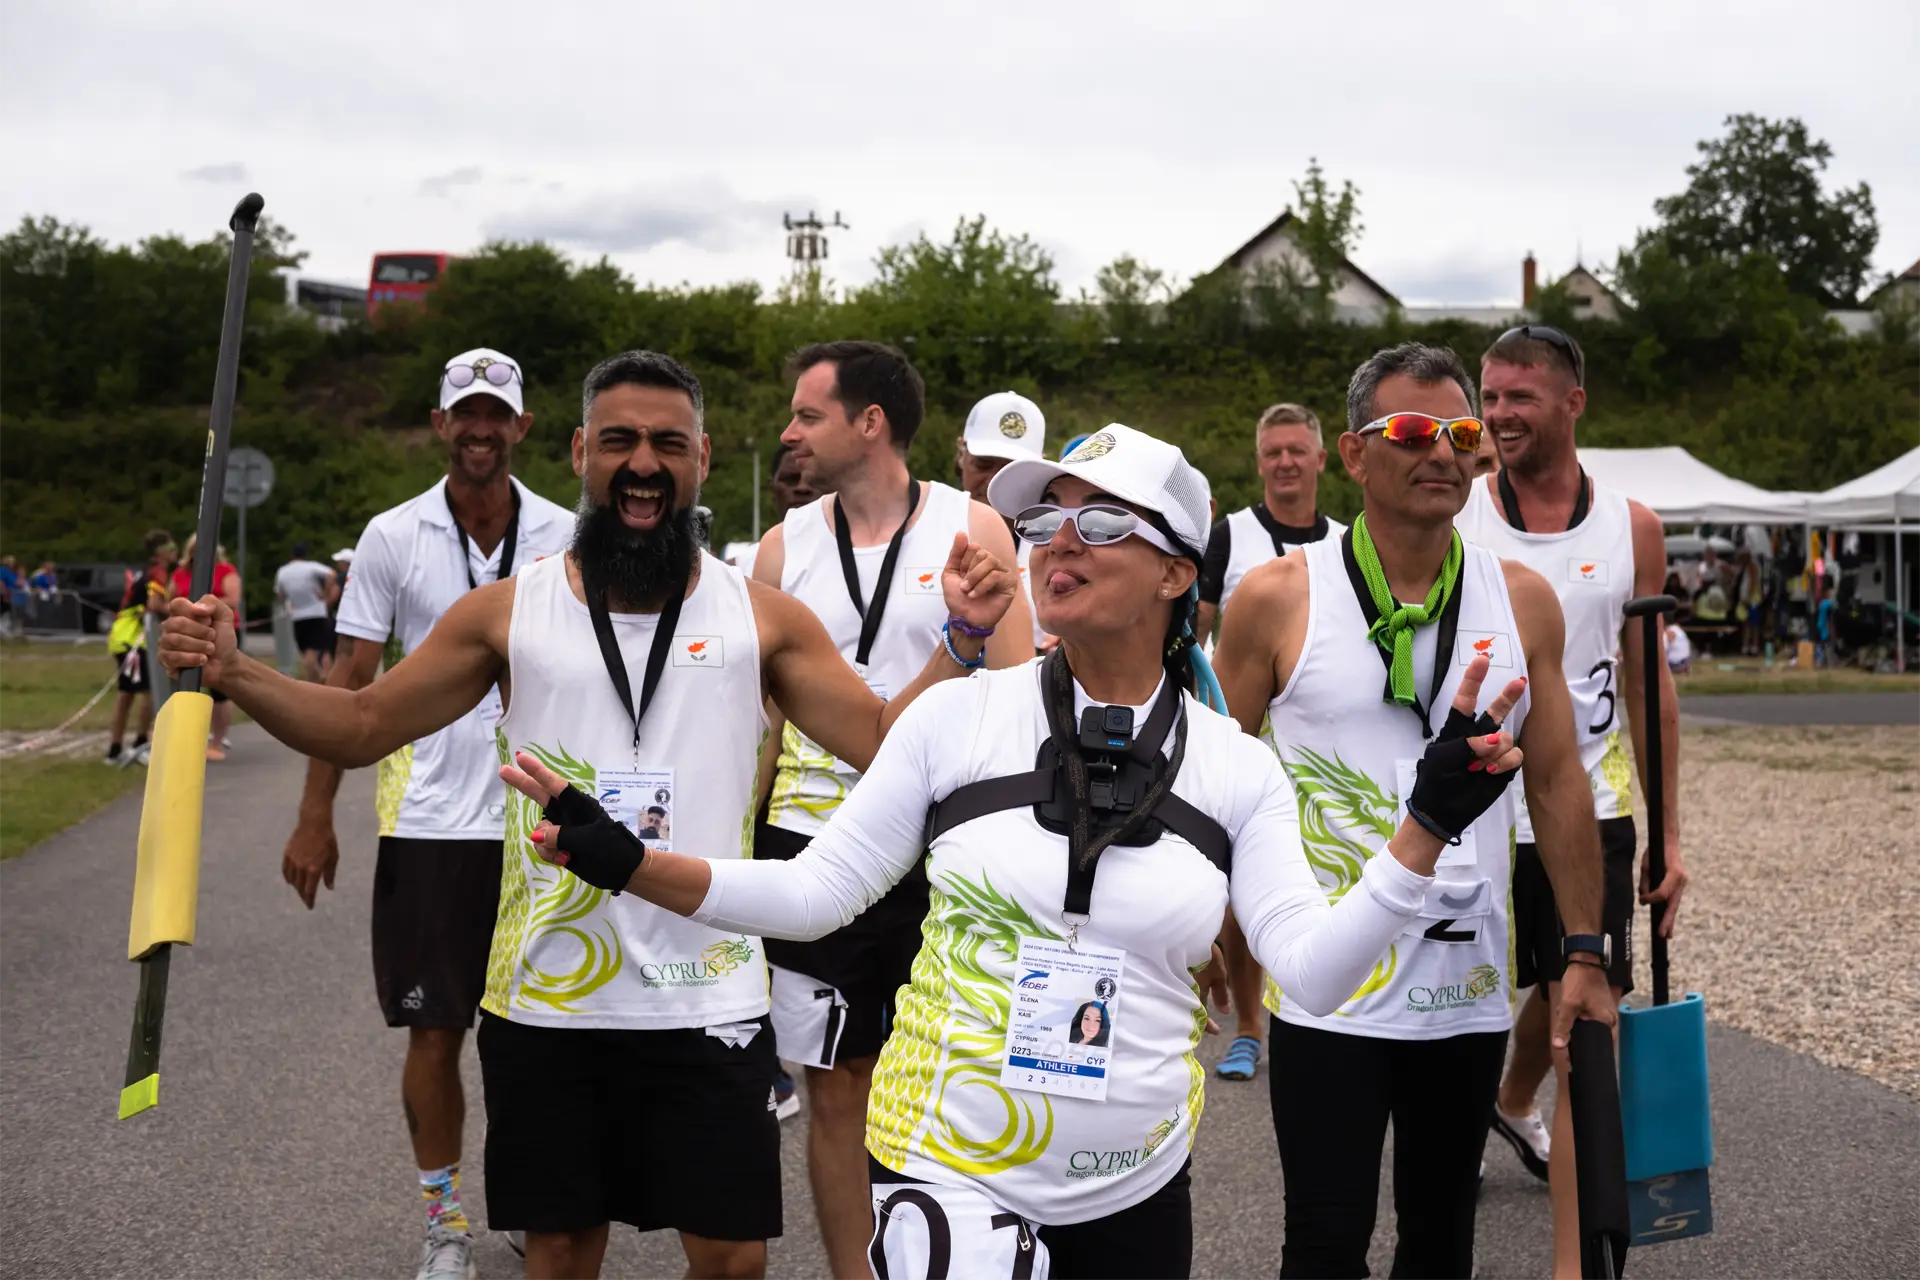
249, 482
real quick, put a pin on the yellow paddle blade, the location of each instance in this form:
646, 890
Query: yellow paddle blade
166, 878
141, 1094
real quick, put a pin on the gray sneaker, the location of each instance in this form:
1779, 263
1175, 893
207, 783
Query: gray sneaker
446, 1255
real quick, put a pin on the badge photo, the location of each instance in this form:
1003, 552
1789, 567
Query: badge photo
1495, 646
1594, 571
699, 651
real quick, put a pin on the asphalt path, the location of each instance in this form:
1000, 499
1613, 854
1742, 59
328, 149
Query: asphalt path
278, 1148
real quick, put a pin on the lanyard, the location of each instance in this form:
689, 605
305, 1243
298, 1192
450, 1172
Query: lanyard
1443, 639
1511, 501
507, 543
1286, 536
656, 655
843, 534
1083, 847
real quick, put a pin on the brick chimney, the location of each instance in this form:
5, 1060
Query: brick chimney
1529, 281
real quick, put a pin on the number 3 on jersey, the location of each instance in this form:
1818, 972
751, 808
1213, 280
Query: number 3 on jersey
1604, 695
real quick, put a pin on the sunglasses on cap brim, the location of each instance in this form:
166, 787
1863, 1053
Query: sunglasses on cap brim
1097, 523
1419, 430
460, 376
1556, 339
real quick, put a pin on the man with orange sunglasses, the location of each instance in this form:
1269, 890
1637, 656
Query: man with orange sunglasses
1353, 650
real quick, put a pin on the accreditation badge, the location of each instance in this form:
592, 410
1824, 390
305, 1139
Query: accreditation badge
641, 800
1062, 1017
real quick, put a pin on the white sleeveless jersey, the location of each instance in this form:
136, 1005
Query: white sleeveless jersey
937, 1106
1350, 757
811, 781
1590, 568
566, 954
1251, 546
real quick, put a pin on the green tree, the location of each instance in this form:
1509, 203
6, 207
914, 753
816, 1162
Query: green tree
1128, 291
1758, 190
1327, 229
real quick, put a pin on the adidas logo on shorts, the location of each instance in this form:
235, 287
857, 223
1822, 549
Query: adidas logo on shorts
413, 999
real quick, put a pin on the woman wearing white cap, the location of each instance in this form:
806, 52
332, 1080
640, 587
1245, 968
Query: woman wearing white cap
1086, 821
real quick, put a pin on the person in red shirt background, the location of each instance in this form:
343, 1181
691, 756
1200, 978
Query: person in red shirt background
226, 585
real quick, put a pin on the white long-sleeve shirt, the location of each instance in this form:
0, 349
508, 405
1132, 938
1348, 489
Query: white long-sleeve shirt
938, 1111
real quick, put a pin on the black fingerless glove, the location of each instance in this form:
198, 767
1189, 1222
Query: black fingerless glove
592, 845
1448, 795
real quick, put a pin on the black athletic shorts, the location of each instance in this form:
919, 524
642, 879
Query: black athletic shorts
313, 635
132, 669
867, 962
655, 1129
433, 907
1536, 921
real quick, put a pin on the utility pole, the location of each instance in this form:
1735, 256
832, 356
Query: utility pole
806, 239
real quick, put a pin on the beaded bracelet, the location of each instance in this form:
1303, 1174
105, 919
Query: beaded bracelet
966, 628
946, 638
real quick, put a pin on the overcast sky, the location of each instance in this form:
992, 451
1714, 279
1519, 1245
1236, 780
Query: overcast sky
672, 137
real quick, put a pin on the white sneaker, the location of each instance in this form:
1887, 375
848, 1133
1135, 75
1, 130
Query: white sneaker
143, 754
1529, 1138
446, 1255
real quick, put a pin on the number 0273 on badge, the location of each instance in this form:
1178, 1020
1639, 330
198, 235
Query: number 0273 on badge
1062, 1011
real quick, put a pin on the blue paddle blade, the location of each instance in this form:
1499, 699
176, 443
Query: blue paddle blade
1670, 1207
1664, 1107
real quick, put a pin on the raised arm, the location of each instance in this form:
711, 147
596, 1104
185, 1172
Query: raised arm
442, 680
1012, 640
818, 691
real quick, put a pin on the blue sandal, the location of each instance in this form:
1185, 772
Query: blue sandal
1243, 1056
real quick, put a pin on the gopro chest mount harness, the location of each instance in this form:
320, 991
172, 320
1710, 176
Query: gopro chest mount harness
1098, 783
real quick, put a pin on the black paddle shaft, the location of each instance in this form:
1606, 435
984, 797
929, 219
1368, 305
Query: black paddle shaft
226, 382
1654, 610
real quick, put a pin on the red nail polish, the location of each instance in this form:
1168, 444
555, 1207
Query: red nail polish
1475, 767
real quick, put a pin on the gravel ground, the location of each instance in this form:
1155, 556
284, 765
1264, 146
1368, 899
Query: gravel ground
1801, 843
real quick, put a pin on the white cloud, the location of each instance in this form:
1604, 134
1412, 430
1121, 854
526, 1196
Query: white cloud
223, 173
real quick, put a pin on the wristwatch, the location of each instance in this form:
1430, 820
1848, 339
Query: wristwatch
1598, 944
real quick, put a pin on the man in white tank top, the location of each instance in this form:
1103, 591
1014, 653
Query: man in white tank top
1291, 454
1597, 549
866, 560
1306, 645
627, 1066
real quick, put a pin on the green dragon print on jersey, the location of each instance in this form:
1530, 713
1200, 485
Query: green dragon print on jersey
803, 760
538, 901
912, 1078
1330, 791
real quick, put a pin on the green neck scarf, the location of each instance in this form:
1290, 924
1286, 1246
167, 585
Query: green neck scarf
1393, 630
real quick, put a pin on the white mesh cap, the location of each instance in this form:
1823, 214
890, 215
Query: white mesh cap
1130, 465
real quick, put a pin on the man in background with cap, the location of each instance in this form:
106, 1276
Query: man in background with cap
1004, 426
1290, 454
442, 807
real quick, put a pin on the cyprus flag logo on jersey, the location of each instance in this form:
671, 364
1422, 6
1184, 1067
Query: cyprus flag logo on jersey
923, 581
1587, 571
1495, 646
699, 651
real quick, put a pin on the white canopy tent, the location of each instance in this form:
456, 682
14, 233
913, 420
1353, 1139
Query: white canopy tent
1681, 489
1883, 501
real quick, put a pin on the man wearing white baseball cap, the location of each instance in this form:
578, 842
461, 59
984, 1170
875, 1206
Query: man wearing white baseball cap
436, 883
1003, 428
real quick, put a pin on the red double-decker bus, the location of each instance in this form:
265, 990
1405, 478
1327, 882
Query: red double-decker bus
403, 277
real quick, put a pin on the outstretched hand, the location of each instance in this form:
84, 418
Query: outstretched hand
977, 586
585, 840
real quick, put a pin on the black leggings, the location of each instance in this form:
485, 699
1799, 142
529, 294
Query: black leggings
1152, 1240
1332, 1096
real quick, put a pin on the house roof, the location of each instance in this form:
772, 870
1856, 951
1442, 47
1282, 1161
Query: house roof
1238, 257
1911, 274
1580, 269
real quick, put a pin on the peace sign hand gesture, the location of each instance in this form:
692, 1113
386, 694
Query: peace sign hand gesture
1471, 763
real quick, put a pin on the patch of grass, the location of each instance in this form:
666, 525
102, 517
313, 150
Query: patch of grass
39, 796
41, 685
1707, 678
